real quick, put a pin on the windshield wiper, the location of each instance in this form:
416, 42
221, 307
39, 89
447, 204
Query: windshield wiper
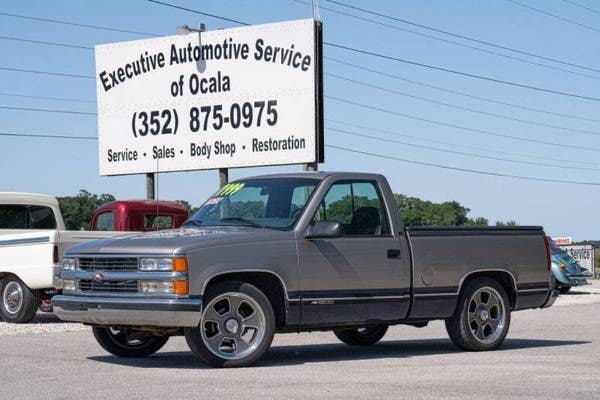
243, 220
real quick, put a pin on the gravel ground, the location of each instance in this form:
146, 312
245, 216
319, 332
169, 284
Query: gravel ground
552, 354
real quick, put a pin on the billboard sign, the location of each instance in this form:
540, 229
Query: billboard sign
239, 97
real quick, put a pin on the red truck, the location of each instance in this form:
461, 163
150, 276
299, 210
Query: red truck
138, 215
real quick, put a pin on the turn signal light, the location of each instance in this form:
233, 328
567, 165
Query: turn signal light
180, 264
562, 266
181, 287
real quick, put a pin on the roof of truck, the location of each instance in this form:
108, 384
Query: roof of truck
33, 199
314, 174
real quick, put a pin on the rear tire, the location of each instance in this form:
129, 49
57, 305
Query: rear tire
362, 336
564, 289
18, 303
237, 326
124, 343
482, 316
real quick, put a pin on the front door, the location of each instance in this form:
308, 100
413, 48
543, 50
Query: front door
361, 277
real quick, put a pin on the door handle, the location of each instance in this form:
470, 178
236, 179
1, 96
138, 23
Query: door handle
394, 253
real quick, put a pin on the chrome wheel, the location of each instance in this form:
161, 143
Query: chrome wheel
12, 297
486, 315
233, 325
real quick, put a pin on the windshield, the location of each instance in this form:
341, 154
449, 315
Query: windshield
274, 203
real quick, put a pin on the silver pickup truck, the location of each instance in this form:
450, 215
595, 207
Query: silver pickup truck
301, 252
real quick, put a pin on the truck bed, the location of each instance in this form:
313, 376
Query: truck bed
443, 257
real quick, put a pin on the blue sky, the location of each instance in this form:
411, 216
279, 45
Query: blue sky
62, 167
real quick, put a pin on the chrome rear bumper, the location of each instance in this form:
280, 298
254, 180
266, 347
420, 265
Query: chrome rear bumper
128, 310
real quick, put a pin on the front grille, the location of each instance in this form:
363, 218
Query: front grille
117, 264
88, 285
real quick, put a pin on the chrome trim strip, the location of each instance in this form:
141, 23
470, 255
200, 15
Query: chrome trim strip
41, 239
124, 276
366, 298
545, 290
121, 255
436, 294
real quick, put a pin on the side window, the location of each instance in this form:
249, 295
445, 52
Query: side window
154, 222
105, 222
13, 217
41, 218
357, 205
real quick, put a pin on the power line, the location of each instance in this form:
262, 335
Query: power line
31, 71
48, 136
428, 100
454, 144
540, 11
462, 153
47, 110
581, 6
199, 12
73, 46
62, 22
47, 98
392, 58
456, 72
473, 171
464, 37
452, 42
468, 95
460, 127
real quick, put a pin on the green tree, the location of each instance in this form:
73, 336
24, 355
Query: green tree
77, 210
512, 222
418, 212
191, 209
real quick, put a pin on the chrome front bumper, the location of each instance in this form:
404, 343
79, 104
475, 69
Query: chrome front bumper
128, 310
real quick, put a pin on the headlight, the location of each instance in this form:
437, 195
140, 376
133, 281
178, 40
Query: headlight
164, 287
178, 264
69, 285
69, 264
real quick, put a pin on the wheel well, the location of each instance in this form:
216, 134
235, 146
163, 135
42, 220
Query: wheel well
267, 283
504, 278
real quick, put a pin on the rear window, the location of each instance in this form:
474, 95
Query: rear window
155, 222
26, 217
105, 222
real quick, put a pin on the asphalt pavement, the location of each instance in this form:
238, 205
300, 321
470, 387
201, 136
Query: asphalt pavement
550, 354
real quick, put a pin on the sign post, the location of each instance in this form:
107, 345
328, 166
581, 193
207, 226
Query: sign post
240, 97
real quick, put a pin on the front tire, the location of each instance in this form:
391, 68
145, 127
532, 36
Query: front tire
19, 303
236, 328
482, 316
126, 343
362, 336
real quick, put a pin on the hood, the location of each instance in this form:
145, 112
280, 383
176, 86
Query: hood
176, 240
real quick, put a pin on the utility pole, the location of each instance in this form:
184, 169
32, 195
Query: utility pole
150, 195
186, 30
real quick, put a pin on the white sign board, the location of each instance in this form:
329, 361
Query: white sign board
562, 240
583, 254
237, 97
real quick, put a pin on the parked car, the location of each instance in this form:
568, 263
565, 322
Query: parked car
301, 252
566, 271
33, 238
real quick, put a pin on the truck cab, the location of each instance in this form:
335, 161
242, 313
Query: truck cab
138, 216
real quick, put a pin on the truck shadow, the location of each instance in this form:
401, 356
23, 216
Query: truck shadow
314, 353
